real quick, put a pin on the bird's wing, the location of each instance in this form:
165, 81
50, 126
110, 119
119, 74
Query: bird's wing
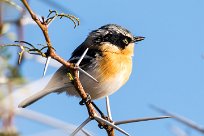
60, 81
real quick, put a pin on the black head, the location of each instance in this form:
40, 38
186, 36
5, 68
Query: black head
113, 34
110, 33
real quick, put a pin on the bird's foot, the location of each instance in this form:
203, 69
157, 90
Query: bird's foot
84, 101
104, 126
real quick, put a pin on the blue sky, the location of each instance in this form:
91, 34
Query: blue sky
168, 68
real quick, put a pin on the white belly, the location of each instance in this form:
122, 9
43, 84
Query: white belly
101, 89
108, 84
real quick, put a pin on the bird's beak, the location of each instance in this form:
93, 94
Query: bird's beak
138, 38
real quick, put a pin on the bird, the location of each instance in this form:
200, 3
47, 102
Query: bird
108, 60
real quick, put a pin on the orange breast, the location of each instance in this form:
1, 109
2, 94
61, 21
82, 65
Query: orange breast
116, 63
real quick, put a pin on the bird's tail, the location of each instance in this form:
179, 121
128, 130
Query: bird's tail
58, 83
33, 98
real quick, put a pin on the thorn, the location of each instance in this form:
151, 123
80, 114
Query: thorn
80, 127
82, 56
78, 63
87, 100
140, 119
87, 74
110, 124
108, 108
46, 65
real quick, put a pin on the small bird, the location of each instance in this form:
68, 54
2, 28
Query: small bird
108, 60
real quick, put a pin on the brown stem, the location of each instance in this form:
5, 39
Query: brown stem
83, 95
110, 131
42, 25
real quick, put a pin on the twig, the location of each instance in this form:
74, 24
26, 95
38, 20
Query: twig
181, 119
74, 19
140, 119
80, 127
24, 48
53, 122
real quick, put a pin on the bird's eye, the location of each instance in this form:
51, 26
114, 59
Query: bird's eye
125, 41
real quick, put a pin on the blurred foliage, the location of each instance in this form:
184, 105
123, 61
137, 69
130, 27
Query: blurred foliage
10, 73
4, 53
8, 70
5, 33
7, 133
13, 4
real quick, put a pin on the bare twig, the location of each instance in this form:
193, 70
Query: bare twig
80, 127
32, 49
50, 18
45, 119
140, 120
181, 119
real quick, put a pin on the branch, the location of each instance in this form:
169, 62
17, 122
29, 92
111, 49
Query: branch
181, 119
74, 19
51, 52
140, 120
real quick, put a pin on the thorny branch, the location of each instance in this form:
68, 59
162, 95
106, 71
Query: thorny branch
28, 48
51, 53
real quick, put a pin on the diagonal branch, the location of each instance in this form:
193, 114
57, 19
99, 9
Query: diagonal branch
51, 52
181, 119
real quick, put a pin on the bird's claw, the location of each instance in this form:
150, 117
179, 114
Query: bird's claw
87, 100
100, 126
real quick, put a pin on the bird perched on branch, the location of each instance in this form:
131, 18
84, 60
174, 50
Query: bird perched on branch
108, 60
